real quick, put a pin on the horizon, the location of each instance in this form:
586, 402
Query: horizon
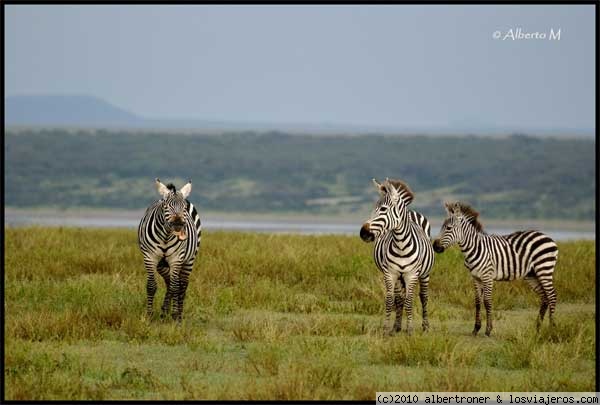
145, 123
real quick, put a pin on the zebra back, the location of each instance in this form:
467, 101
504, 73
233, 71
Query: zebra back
196, 218
534, 248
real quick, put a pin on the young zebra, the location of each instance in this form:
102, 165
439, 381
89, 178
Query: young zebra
169, 238
525, 254
402, 252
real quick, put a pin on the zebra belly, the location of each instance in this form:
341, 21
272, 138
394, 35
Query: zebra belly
509, 275
500, 270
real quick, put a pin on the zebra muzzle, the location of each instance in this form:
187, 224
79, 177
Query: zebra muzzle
437, 246
366, 234
181, 235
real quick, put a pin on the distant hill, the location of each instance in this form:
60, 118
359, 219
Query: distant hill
65, 110
84, 111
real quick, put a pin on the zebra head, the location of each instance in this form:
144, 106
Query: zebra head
174, 207
452, 229
389, 209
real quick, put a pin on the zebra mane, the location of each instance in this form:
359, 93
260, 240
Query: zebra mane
171, 187
471, 215
405, 192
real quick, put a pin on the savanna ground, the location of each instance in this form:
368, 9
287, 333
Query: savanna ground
273, 317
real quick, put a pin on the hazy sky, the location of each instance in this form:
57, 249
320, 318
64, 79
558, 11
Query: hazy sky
425, 66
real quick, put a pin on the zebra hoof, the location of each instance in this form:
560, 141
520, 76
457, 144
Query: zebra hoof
488, 333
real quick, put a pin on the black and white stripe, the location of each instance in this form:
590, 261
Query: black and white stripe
169, 238
529, 255
402, 251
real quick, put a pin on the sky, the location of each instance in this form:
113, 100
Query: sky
426, 66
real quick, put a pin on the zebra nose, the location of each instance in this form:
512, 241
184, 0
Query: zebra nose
366, 234
437, 246
177, 222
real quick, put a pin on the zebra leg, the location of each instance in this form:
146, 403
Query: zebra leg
389, 281
537, 287
184, 276
478, 292
399, 295
548, 286
164, 270
423, 295
150, 265
174, 291
487, 302
411, 284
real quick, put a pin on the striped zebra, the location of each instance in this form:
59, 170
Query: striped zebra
528, 255
402, 251
169, 238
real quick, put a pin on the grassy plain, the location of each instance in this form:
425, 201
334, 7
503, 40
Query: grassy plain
273, 317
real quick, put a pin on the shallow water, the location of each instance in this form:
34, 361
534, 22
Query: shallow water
298, 226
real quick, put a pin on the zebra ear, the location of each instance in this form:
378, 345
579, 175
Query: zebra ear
449, 208
187, 189
391, 190
379, 187
162, 189
456, 208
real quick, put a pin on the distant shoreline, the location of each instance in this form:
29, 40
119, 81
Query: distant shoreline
300, 130
291, 218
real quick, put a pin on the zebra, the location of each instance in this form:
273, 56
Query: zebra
529, 255
169, 238
402, 251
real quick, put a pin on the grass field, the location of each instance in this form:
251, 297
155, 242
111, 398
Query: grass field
273, 317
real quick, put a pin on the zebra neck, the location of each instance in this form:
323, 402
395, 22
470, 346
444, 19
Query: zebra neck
401, 230
160, 223
471, 238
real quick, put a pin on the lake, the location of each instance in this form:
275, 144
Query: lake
237, 222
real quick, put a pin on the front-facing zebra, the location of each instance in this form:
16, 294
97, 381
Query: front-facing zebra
525, 254
169, 238
402, 252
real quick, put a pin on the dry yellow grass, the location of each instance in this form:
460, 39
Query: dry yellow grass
273, 317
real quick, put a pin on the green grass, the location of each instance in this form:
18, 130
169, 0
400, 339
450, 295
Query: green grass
273, 317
